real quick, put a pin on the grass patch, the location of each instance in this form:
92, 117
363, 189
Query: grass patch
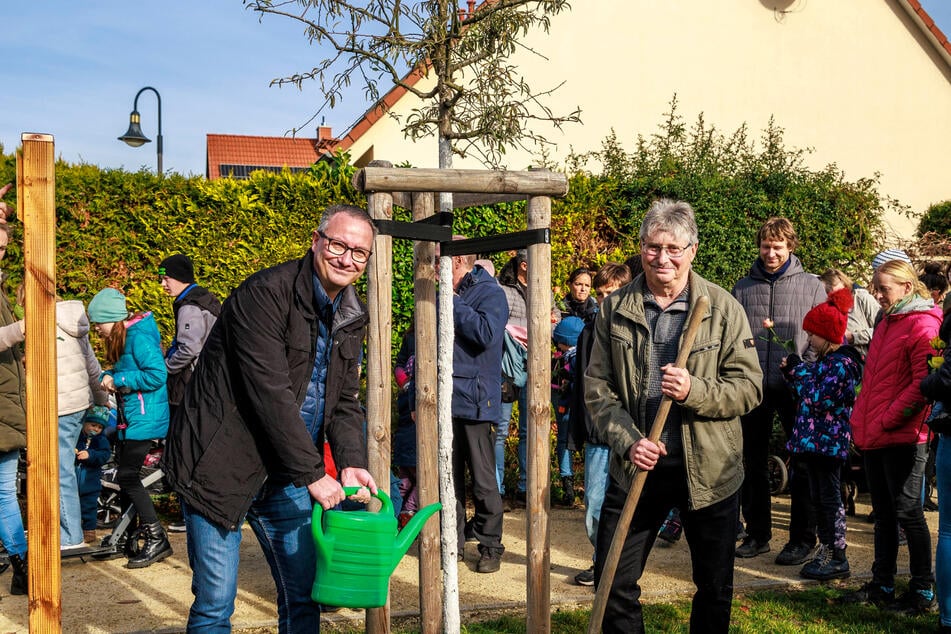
813, 610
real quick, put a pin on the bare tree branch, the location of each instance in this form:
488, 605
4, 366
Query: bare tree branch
479, 102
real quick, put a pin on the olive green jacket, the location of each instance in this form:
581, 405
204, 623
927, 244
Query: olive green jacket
12, 381
725, 383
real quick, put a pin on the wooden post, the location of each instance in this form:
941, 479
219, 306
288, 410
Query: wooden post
427, 473
36, 192
539, 421
379, 382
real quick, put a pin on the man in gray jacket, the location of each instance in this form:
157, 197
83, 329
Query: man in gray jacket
697, 465
776, 295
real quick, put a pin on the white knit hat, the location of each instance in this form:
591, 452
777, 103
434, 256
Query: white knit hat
889, 254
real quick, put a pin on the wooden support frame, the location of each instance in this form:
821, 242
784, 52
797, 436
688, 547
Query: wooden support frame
414, 188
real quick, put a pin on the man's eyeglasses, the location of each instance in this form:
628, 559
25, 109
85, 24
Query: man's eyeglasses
338, 248
673, 251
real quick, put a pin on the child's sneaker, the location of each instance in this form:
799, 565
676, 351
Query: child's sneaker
870, 594
916, 602
828, 563
672, 528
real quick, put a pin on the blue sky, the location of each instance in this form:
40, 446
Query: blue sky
72, 69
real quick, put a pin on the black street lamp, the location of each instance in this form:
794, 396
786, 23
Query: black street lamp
134, 136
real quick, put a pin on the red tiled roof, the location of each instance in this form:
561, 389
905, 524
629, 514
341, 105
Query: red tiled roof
233, 149
929, 24
379, 109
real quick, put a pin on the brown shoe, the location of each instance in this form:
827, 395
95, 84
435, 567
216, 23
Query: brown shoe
90, 537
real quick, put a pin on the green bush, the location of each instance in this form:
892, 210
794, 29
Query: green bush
937, 218
733, 184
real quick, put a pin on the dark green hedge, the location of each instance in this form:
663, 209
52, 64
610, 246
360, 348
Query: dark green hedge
114, 227
733, 184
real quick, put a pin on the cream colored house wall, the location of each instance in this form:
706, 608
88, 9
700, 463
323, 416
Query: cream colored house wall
853, 79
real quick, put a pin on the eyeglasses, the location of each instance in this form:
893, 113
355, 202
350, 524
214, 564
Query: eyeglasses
673, 251
338, 248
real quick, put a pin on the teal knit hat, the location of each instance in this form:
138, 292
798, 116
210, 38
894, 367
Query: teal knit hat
97, 414
107, 306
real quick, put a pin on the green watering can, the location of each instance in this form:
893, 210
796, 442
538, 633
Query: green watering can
357, 551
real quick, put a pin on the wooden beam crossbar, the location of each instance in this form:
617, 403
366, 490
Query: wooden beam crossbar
527, 183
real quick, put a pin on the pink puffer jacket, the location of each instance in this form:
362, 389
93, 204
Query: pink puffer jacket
890, 409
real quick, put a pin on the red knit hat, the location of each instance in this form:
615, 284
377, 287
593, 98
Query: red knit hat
828, 319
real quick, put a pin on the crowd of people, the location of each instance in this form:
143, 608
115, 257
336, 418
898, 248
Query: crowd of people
838, 366
257, 404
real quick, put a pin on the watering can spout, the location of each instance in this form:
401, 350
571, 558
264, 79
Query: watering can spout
411, 530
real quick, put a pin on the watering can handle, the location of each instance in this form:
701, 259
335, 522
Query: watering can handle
317, 527
380, 495
348, 491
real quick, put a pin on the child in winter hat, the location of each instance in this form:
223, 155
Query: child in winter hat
821, 434
567, 331
107, 306
830, 318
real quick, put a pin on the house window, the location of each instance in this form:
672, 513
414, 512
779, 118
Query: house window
242, 171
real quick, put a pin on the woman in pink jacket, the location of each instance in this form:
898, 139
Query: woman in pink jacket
888, 426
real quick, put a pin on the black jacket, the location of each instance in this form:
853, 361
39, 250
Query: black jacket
937, 385
240, 422
582, 429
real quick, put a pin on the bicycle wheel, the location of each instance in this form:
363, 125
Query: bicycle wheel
778, 475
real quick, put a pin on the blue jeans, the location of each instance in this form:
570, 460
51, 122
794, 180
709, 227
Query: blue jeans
501, 433
70, 513
562, 453
280, 517
943, 555
595, 483
11, 523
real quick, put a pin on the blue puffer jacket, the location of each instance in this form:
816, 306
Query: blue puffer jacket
140, 377
479, 311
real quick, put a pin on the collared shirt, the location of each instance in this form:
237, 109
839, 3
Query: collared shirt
666, 325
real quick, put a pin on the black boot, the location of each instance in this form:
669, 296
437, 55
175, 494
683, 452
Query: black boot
156, 547
19, 584
568, 491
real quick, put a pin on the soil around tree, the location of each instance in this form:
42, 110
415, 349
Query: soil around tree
103, 597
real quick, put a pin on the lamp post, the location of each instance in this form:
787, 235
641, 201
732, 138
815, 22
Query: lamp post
134, 136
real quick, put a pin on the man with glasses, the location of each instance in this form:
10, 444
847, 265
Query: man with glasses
279, 374
697, 465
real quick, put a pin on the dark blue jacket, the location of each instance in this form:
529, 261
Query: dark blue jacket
479, 311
